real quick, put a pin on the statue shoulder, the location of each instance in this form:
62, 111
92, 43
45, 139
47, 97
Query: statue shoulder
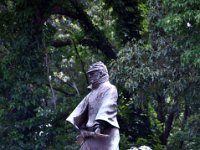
107, 85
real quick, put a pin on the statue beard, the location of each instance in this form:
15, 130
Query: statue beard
94, 80
98, 80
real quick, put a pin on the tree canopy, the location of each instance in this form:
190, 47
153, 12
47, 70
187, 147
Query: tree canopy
151, 49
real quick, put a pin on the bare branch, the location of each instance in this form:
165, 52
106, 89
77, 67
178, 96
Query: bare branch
81, 61
62, 91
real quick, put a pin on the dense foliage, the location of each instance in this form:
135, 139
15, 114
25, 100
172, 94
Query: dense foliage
183, 20
151, 49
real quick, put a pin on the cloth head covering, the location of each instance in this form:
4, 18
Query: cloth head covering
101, 67
98, 66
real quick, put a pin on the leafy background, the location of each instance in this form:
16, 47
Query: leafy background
150, 47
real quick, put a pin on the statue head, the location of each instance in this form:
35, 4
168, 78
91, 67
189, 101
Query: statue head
97, 73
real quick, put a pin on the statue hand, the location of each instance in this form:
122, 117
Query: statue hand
85, 133
97, 130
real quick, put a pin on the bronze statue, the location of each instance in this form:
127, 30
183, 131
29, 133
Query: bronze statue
96, 115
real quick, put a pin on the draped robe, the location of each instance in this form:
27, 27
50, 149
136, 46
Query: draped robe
99, 105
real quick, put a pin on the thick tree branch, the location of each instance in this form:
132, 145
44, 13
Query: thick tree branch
161, 108
168, 123
102, 42
168, 128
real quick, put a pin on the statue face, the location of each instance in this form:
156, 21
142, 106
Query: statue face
94, 76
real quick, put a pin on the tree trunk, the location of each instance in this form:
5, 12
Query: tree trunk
186, 113
161, 108
168, 126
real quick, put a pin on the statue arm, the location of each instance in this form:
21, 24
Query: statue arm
108, 109
79, 115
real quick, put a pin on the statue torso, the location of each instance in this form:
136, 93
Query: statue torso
94, 103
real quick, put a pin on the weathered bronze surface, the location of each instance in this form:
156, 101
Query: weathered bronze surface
96, 115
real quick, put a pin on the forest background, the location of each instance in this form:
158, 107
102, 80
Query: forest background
152, 51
